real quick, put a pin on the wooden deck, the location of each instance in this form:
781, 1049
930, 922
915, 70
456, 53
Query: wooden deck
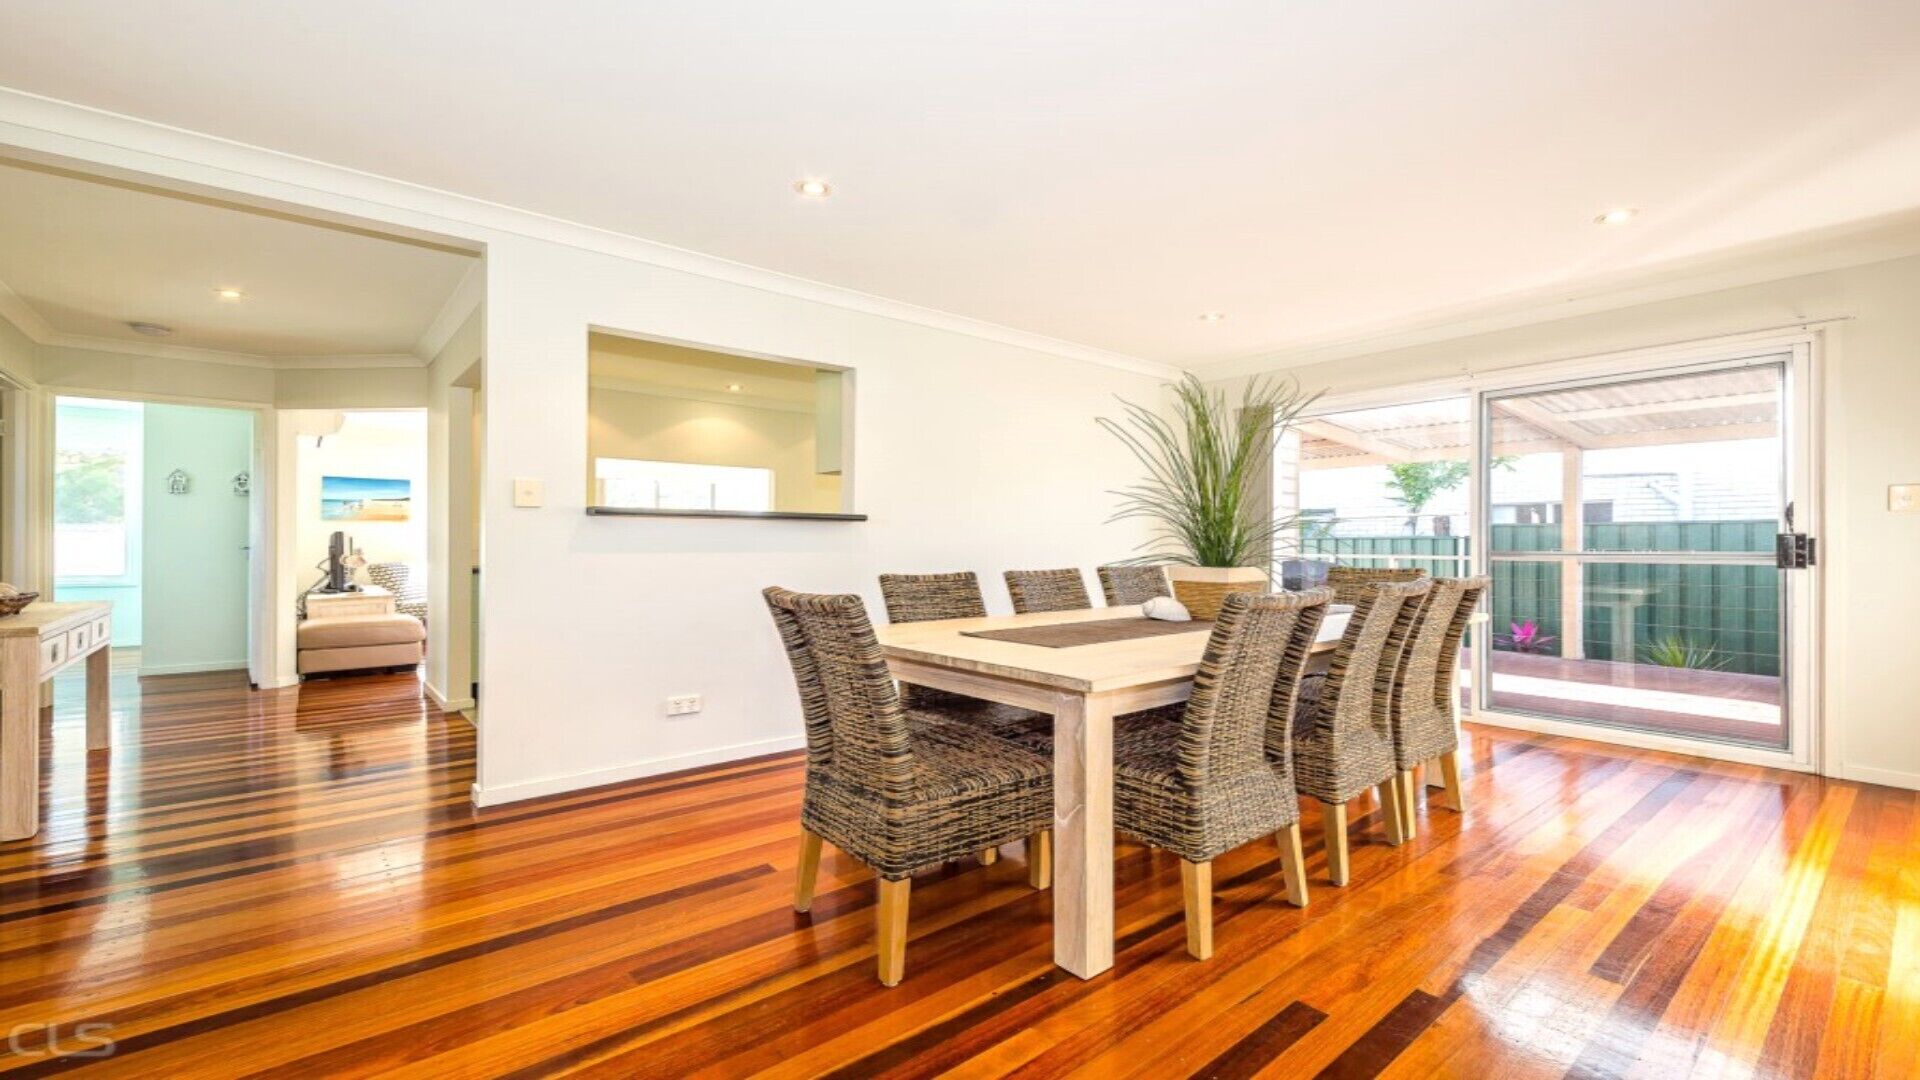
294, 884
1666, 694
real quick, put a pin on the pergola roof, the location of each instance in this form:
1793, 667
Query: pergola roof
1738, 404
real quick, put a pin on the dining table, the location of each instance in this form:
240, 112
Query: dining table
1100, 663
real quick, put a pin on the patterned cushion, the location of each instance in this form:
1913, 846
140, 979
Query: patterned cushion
409, 597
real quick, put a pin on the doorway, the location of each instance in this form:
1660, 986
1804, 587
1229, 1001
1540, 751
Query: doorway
151, 515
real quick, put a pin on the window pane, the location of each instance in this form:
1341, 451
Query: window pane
1382, 487
1677, 648
96, 467
673, 485
1680, 463
97, 549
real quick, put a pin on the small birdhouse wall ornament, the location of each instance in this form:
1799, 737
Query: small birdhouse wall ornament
177, 482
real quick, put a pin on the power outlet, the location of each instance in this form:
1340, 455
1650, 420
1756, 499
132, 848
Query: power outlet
683, 704
1903, 498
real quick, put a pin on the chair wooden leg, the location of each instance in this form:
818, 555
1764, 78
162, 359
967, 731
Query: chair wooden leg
891, 924
1040, 859
989, 856
1430, 774
1450, 772
1389, 792
1408, 789
1196, 889
1293, 864
1334, 816
809, 870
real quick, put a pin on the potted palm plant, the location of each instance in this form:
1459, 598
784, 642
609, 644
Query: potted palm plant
1204, 459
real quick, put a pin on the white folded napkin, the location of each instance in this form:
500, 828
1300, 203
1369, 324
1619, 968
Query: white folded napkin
1166, 609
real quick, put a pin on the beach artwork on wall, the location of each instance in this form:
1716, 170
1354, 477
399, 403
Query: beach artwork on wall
365, 498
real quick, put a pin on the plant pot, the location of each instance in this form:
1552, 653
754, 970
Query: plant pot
1204, 588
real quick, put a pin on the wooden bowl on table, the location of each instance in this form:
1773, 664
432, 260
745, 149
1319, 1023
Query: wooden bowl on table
15, 603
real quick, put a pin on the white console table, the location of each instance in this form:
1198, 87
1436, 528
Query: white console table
369, 600
35, 645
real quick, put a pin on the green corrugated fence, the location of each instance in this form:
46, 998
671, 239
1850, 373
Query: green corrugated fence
1735, 609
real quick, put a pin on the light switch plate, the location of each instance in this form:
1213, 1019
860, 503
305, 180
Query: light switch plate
529, 492
1903, 498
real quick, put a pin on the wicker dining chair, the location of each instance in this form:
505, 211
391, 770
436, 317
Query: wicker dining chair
1133, 584
896, 795
923, 597
1200, 784
1349, 581
1342, 736
1047, 590
1422, 711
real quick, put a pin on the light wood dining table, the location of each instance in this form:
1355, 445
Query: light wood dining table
1084, 687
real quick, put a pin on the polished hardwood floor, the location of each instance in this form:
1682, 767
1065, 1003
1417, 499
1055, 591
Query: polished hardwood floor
295, 884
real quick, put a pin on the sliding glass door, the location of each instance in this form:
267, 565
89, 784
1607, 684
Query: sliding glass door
1632, 527
1630, 519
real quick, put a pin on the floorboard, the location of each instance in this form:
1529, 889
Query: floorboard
295, 883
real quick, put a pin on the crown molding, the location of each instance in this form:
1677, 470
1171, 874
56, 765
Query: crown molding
141, 148
198, 355
1894, 236
17, 311
460, 303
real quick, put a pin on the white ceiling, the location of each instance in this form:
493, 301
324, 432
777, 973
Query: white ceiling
86, 257
1101, 172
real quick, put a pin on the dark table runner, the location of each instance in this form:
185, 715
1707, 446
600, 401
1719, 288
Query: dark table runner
1097, 632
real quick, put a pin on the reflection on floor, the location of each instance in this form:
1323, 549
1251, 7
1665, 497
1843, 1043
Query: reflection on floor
295, 883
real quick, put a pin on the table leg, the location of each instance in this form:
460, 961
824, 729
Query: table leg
99, 698
1083, 835
19, 737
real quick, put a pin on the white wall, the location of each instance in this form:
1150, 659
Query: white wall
975, 448
453, 548
967, 454
386, 444
1870, 387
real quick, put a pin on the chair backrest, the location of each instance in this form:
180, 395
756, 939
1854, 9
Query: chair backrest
1433, 652
1133, 584
856, 728
396, 578
1348, 582
1359, 686
1047, 590
1254, 657
920, 597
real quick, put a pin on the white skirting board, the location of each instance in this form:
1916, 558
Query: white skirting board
1867, 774
446, 704
554, 785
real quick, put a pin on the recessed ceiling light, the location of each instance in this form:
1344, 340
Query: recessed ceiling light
813, 189
151, 329
1212, 316
1617, 216
230, 294
733, 388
